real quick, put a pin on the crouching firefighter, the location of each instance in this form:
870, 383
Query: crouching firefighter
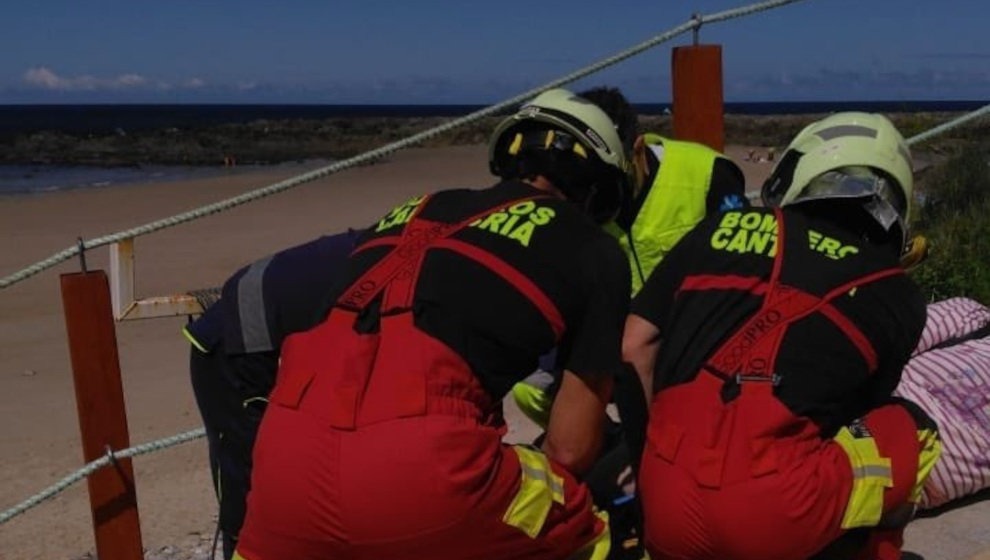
675, 184
382, 438
770, 341
234, 352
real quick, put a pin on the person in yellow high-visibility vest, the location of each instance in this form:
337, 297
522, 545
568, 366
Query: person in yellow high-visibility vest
676, 184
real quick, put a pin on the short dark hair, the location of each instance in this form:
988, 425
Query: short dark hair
618, 108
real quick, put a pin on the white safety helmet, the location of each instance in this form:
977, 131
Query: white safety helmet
564, 111
848, 155
562, 123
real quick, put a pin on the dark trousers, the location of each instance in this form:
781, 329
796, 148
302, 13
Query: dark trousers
231, 409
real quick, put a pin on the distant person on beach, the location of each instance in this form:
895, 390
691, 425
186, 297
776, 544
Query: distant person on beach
383, 435
770, 342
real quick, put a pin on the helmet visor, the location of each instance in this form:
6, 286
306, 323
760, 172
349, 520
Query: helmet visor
882, 199
842, 184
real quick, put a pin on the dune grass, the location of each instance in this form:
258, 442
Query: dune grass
955, 217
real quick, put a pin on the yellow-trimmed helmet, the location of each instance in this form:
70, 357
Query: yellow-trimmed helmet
560, 121
562, 110
849, 155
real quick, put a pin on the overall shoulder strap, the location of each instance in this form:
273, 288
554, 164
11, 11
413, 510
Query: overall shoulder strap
751, 351
406, 256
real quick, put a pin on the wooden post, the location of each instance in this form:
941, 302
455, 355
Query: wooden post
697, 99
102, 418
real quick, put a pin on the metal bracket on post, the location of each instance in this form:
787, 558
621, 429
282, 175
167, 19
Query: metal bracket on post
125, 307
122, 277
695, 31
82, 254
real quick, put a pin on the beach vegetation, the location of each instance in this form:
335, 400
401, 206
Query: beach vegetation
954, 214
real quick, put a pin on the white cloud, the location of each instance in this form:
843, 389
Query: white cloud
128, 80
42, 77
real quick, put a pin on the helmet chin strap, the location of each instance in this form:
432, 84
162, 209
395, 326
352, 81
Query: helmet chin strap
916, 252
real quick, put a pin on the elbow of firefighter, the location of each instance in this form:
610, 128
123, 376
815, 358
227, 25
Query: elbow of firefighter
576, 458
633, 350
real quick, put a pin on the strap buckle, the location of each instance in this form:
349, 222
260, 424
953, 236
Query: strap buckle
773, 379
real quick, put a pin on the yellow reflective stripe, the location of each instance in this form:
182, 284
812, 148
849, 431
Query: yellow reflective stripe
516, 144
539, 487
871, 475
534, 402
253, 400
192, 340
237, 556
536, 466
599, 546
931, 449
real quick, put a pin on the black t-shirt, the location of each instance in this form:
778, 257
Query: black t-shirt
265, 302
273, 297
727, 190
824, 375
481, 316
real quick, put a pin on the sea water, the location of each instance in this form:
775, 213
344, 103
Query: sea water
39, 179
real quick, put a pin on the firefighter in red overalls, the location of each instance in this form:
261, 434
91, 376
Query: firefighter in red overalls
383, 435
770, 341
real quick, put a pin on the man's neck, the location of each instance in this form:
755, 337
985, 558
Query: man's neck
542, 183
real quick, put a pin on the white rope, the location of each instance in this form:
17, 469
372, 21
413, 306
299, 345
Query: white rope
948, 125
93, 466
372, 155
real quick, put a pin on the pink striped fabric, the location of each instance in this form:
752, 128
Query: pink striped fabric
952, 384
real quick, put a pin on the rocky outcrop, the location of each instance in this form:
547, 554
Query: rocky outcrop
276, 141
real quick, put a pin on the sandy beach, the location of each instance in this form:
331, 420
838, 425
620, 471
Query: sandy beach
40, 439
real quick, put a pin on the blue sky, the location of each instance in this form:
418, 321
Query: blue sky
465, 51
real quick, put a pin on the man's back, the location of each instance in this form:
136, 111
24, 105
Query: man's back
488, 319
716, 279
387, 412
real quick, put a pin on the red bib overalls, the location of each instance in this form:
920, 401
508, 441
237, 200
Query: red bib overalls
729, 472
385, 445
